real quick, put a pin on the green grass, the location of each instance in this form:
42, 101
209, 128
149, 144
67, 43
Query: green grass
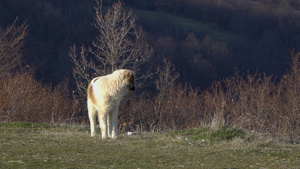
208, 134
33, 145
184, 25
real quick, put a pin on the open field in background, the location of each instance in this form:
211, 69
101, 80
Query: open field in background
182, 25
36, 145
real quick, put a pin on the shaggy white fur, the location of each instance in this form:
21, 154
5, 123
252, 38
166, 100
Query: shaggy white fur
104, 96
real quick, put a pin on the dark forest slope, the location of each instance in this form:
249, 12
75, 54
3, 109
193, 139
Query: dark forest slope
205, 40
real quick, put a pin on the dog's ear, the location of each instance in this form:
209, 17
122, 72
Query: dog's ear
129, 75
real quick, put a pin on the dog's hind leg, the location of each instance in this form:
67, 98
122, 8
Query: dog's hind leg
92, 116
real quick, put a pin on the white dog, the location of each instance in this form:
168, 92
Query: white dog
104, 96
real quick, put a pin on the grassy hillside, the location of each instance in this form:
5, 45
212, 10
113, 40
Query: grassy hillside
32, 145
181, 25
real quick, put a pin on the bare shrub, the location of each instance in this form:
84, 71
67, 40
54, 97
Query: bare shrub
248, 101
214, 105
11, 43
286, 104
165, 81
180, 108
25, 99
22, 98
136, 114
83, 72
255, 102
175, 106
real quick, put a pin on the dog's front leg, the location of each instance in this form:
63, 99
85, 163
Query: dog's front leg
114, 123
103, 124
109, 124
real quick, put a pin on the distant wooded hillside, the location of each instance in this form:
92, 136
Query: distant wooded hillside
205, 40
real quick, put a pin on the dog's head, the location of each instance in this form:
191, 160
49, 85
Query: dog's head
129, 76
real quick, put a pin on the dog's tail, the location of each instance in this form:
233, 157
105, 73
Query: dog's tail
90, 92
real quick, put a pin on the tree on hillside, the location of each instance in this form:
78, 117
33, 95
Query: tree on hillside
167, 75
11, 43
119, 44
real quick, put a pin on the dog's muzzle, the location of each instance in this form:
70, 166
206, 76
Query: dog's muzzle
132, 88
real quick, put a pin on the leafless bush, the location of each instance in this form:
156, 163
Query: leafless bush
255, 102
166, 80
248, 101
11, 43
83, 72
214, 105
136, 114
25, 99
286, 103
180, 108
175, 106
22, 98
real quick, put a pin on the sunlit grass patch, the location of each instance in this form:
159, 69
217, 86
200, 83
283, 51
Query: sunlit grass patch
54, 146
